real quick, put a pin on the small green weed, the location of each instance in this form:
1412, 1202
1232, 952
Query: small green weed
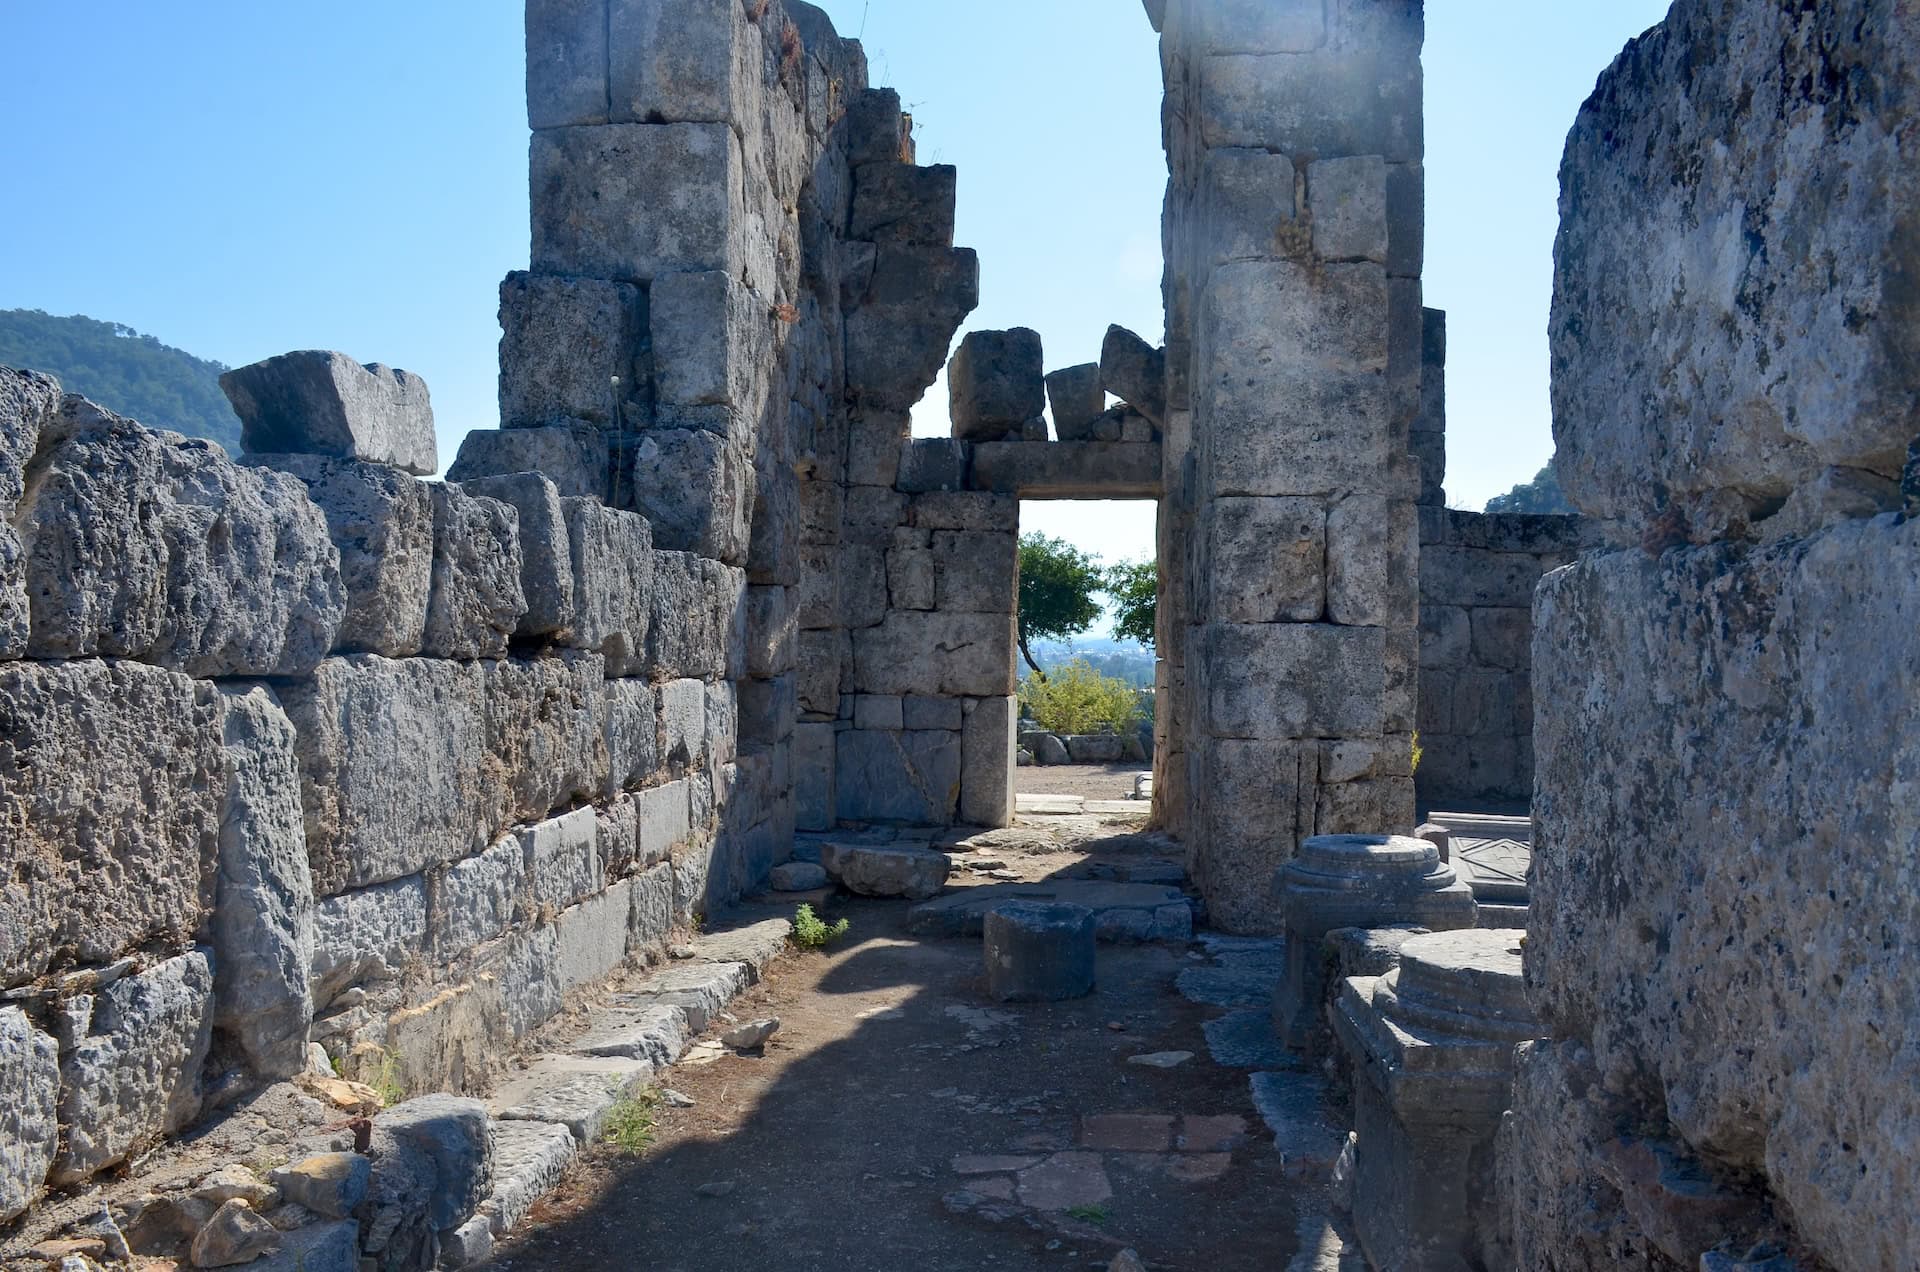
1095, 1215
339, 1067
629, 1124
385, 1079
810, 932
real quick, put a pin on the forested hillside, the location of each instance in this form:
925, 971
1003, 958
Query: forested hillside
124, 371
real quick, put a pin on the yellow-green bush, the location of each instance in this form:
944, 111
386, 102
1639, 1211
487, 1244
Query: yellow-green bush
1074, 698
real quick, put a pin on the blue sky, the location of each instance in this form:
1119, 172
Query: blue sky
240, 179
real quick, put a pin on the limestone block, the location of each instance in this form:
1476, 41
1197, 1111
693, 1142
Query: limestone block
1315, 339
262, 930
1406, 254
1473, 576
896, 776
871, 515
1269, 560
632, 734
1347, 199
971, 510
976, 572
1247, 205
529, 1157
475, 900
27, 402
1696, 356
825, 660
695, 488
1135, 372
1077, 399
612, 562
902, 203
566, 62
722, 721
863, 584
683, 60
995, 384
29, 1130
911, 581
369, 934
1072, 470
1293, 680
1446, 640
1372, 556
772, 630
562, 343
651, 920
576, 458
986, 761
874, 128
968, 655
381, 523
111, 793
664, 820
704, 348
313, 402
1503, 638
591, 938
874, 441
209, 568
546, 555
918, 712
1831, 496
814, 796
878, 711
476, 599
1789, 673
132, 1070
563, 861
768, 709
451, 1133
1039, 951
546, 736
914, 873
587, 184
932, 463
901, 322
1260, 26
773, 539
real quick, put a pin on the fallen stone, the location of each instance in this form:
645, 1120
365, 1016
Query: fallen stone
1122, 911
715, 1188
994, 383
1126, 1261
451, 1133
1038, 951
751, 1035
320, 1247
1161, 1059
797, 876
676, 1099
225, 1183
1095, 748
914, 873
317, 403
469, 1244
1135, 372
1065, 1181
234, 1235
330, 1184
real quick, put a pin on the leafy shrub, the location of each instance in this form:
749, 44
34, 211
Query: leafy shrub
810, 932
629, 1124
1077, 699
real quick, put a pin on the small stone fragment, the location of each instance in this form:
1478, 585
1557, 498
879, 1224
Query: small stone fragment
234, 1180
1161, 1059
717, 1188
234, 1235
330, 1184
675, 1099
752, 1034
798, 876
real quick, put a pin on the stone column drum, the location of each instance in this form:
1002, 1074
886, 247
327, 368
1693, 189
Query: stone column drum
1363, 881
1431, 1047
1039, 952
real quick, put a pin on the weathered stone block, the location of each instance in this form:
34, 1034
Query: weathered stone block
1269, 560
1360, 98
914, 873
1347, 199
598, 205
878, 711
773, 539
576, 458
971, 510
29, 1128
611, 559
1293, 680
723, 720
704, 348
381, 523
317, 403
698, 625
1315, 339
986, 762
111, 781
664, 820
563, 861
874, 129
262, 928
1135, 372
976, 571
28, 400
673, 61
1247, 205
1697, 360
1372, 555
918, 712
901, 203
932, 463
476, 599
969, 655
814, 797
474, 901
1242, 841
1261, 26
1446, 640
901, 322
1038, 951
132, 1070
768, 709
772, 630
546, 557
546, 736
863, 585
208, 568
825, 656
695, 488
563, 344
885, 775
995, 384
1077, 400
566, 62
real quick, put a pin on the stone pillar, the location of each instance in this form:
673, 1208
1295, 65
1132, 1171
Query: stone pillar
1294, 335
1431, 1046
1354, 881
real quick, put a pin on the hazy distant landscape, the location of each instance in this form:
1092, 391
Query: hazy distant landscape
1126, 660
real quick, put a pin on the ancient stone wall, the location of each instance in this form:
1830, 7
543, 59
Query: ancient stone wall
1723, 904
1293, 246
1477, 575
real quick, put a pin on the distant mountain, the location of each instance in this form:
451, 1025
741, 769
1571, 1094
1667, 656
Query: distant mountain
1542, 494
124, 371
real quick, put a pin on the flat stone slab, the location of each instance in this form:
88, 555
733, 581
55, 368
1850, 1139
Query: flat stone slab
1117, 808
1121, 911
656, 1034
1049, 805
528, 1159
1246, 1040
904, 870
754, 944
1294, 1107
1065, 1181
699, 989
571, 1091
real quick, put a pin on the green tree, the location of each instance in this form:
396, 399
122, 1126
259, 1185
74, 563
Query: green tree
1057, 586
1078, 699
1135, 589
1542, 494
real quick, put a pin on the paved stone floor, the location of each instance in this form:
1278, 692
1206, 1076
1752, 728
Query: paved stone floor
900, 1119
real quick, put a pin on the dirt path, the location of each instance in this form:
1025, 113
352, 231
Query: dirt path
1095, 781
846, 1145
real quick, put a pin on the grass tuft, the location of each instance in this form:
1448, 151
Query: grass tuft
629, 1124
810, 932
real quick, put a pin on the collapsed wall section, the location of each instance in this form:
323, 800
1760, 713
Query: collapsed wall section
1721, 930
1294, 347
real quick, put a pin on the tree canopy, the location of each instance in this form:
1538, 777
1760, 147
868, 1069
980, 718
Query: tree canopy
1057, 587
1135, 589
124, 371
1542, 494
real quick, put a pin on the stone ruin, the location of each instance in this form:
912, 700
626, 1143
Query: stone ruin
309, 765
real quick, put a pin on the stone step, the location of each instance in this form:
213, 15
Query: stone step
753, 944
656, 1034
701, 990
1122, 911
571, 1091
528, 1159
1049, 805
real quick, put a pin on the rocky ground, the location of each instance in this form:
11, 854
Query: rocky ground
901, 1118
